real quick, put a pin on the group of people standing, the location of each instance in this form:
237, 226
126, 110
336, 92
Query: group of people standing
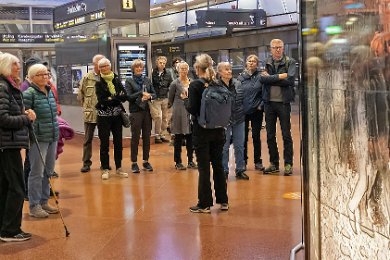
172, 100
254, 92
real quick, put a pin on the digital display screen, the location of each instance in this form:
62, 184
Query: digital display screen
127, 53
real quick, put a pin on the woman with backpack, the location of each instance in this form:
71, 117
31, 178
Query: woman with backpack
208, 142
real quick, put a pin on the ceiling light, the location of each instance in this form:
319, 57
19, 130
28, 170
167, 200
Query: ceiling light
182, 2
155, 8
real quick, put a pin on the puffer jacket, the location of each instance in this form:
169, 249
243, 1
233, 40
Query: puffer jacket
46, 125
287, 65
237, 91
87, 96
161, 83
13, 121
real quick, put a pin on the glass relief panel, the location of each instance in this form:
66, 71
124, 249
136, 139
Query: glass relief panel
346, 54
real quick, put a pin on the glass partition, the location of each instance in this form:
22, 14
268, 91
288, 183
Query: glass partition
346, 79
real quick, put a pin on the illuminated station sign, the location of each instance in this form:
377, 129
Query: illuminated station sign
231, 18
77, 13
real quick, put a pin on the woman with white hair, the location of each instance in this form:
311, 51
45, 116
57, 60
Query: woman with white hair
14, 122
110, 95
40, 98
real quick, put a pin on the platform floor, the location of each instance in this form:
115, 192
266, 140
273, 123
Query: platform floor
146, 216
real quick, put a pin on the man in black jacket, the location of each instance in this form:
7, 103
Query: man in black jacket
277, 98
161, 79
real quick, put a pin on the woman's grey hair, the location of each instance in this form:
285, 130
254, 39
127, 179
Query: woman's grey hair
6, 61
182, 63
222, 65
34, 69
137, 63
104, 61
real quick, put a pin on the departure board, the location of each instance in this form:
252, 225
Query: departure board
127, 53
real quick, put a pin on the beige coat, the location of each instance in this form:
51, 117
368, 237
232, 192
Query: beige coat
87, 96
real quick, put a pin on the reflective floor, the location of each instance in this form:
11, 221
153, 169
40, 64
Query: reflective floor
146, 216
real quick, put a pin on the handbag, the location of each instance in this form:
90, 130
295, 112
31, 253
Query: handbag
125, 119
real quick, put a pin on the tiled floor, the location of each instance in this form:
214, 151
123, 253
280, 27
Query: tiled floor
146, 216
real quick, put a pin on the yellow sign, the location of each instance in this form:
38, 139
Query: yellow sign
128, 5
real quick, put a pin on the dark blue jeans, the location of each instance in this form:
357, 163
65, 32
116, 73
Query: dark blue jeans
273, 111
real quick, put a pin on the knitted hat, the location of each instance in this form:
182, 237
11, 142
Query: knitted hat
34, 60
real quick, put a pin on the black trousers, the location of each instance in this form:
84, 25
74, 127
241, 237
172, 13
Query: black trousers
273, 111
140, 121
11, 192
208, 145
178, 144
256, 120
106, 125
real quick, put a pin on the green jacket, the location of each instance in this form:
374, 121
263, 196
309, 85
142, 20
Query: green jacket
46, 125
87, 96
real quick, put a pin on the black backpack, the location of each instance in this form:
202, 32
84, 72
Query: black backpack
216, 106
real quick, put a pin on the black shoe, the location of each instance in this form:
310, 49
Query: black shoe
224, 206
22, 236
271, 169
164, 140
55, 175
147, 166
242, 176
180, 166
158, 141
135, 168
85, 168
192, 165
199, 209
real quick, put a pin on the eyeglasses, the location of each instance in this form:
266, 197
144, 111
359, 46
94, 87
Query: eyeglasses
252, 61
43, 75
277, 47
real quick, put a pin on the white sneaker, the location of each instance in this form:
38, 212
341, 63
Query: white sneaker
105, 174
121, 173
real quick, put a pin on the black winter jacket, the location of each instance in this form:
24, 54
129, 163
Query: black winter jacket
161, 83
237, 91
104, 98
134, 94
13, 121
287, 65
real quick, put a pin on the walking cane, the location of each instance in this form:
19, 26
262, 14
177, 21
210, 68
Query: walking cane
50, 184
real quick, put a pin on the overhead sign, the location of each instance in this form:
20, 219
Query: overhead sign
240, 18
80, 20
38, 38
77, 13
128, 6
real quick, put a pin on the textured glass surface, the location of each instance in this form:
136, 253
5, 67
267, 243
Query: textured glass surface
346, 54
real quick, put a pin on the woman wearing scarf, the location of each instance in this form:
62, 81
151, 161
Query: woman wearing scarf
140, 91
110, 95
